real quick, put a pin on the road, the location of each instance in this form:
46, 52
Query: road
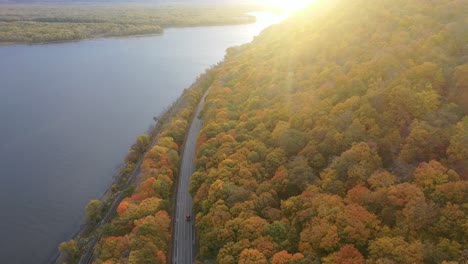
184, 232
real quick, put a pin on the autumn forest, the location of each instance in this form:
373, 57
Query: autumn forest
340, 136
337, 136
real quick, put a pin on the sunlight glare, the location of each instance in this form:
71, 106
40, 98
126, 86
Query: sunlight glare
287, 5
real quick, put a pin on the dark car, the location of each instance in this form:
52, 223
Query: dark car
188, 218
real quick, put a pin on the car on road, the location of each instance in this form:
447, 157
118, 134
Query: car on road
188, 218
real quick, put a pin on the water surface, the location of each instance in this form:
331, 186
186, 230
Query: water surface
68, 114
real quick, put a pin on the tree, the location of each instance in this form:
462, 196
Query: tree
381, 179
283, 257
279, 232
300, 174
458, 149
252, 256
346, 255
70, 250
430, 175
229, 253
280, 128
357, 164
451, 223
417, 146
415, 218
401, 194
330, 182
395, 250
142, 143
274, 159
453, 192
148, 255
94, 211
319, 236
252, 228
357, 225
280, 181
132, 156
426, 73
168, 142
162, 186
113, 248
266, 246
460, 93
265, 200
444, 250
292, 141
217, 191
154, 229
123, 206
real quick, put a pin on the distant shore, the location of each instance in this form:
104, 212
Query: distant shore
49, 24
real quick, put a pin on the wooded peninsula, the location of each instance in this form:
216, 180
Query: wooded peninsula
60, 23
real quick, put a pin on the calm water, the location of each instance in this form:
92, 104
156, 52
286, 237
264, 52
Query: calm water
68, 114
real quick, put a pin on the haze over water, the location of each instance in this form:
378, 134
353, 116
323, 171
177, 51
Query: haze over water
69, 113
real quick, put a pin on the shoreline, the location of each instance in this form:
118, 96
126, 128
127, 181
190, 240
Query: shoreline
6, 44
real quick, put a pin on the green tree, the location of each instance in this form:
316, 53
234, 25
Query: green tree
142, 143
71, 251
94, 211
279, 232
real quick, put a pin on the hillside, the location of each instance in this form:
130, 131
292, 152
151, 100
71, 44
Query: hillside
339, 136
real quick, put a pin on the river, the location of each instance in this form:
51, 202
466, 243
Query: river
68, 114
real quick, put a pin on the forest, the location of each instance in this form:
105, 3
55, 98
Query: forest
339, 136
31, 23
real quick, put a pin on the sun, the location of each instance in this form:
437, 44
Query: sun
287, 5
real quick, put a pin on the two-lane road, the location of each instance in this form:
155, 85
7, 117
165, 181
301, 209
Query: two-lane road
184, 232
